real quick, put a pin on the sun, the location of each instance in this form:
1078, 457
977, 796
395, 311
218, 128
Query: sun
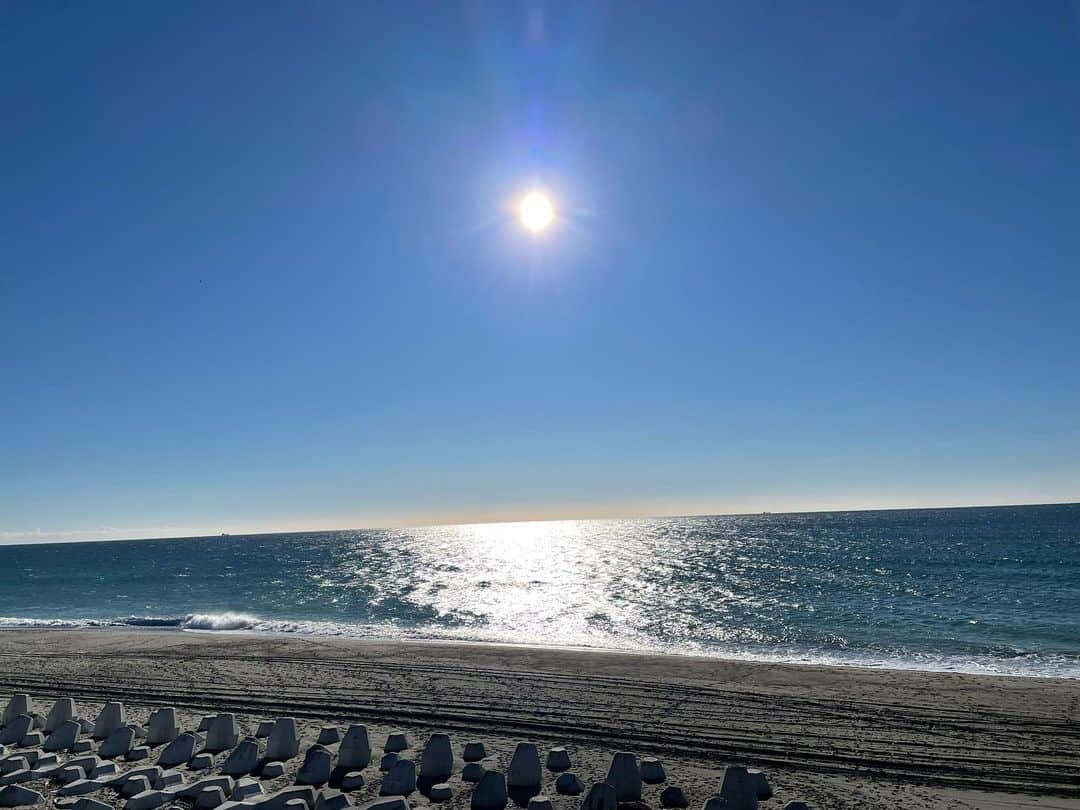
536, 212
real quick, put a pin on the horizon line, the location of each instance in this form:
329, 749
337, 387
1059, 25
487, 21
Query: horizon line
46, 540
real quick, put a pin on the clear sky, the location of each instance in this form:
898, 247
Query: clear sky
258, 270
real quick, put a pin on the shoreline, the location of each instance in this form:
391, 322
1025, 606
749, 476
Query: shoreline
927, 739
119, 625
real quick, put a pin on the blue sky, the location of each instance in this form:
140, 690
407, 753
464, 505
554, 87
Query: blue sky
258, 270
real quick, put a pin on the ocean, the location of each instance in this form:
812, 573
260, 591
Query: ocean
985, 590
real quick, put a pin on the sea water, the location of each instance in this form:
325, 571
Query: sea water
989, 590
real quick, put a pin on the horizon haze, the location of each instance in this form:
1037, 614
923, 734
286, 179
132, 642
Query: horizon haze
109, 534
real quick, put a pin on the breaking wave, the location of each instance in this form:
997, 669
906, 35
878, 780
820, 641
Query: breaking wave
219, 621
192, 621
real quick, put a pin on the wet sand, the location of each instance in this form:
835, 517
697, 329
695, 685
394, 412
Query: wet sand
834, 737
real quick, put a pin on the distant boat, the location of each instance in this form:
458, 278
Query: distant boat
226, 534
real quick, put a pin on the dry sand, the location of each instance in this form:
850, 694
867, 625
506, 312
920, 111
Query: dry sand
834, 737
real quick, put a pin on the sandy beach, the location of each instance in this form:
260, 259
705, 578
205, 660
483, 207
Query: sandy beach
833, 737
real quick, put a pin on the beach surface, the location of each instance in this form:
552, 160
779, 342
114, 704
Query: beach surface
834, 737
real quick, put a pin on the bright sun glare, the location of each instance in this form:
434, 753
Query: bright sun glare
537, 211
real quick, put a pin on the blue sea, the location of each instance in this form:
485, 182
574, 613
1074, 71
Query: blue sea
986, 590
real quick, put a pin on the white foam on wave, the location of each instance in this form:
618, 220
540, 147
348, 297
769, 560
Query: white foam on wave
132, 621
220, 621
14, 621
1030, 665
